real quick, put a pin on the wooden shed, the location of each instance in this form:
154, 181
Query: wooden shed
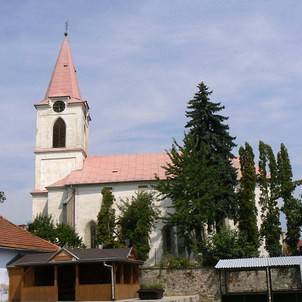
75, 275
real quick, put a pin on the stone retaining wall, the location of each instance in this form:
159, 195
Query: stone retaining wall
179, 282
205, 281
287, 278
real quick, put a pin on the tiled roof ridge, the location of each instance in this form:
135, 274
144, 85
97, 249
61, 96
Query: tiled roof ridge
29, 233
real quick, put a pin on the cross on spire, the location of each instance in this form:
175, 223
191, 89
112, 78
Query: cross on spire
66, 29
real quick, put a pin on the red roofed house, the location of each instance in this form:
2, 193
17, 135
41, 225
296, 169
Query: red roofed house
68, 181
15, 241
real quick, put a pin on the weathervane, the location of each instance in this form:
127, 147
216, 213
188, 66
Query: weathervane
66, 29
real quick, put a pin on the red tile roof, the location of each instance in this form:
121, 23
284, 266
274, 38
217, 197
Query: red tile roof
14, 237
64, 79
119, 168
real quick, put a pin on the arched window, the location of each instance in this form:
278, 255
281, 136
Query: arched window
173, 243
59, 134
168, 239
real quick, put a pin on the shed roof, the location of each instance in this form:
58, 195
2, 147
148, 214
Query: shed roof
249, 263
79, 255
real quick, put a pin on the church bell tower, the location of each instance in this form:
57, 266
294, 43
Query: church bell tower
61, 127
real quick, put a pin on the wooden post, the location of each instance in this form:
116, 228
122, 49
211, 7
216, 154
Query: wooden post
55, 281
220, 285
131, 273
268, 282
122, 273
225, 282
77, 282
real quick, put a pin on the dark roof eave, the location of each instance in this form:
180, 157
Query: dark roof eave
139, 262
100, 183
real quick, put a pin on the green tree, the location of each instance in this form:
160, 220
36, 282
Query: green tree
200, 178
225, 244
66, 236
291, 205
138, 215
43, 226
60, 234
105, 228
2, 197
246, 197
269, 194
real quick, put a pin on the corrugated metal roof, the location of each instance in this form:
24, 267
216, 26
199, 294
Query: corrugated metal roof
259, 262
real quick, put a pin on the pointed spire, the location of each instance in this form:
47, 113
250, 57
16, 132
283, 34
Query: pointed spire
64, 81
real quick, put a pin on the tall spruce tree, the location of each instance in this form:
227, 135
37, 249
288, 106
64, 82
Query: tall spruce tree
105, 228
269, 194
200, 178
291, 205
247, 207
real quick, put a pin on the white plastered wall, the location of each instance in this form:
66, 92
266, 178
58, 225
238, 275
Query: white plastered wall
75, 120
53, 164
39, 205
88, 201
56, 196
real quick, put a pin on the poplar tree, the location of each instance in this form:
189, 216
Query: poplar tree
200, 177
248, 229
291, 205
105, 227
269, 194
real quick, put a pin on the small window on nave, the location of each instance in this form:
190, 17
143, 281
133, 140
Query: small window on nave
59, 134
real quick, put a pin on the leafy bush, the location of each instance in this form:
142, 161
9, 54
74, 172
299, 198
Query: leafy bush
152, 286
136, 221
225, 244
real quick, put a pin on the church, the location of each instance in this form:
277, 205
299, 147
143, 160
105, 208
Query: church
68, 181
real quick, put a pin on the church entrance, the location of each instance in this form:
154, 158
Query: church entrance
66, 282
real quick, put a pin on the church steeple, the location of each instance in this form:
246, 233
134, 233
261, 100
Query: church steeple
62, 124
64, 82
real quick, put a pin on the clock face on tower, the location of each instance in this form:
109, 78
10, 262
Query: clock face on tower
58, 106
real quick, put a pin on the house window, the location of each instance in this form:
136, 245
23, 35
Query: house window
59, 134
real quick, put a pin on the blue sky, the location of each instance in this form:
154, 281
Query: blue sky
138, 64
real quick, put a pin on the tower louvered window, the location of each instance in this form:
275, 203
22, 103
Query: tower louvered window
59, 134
